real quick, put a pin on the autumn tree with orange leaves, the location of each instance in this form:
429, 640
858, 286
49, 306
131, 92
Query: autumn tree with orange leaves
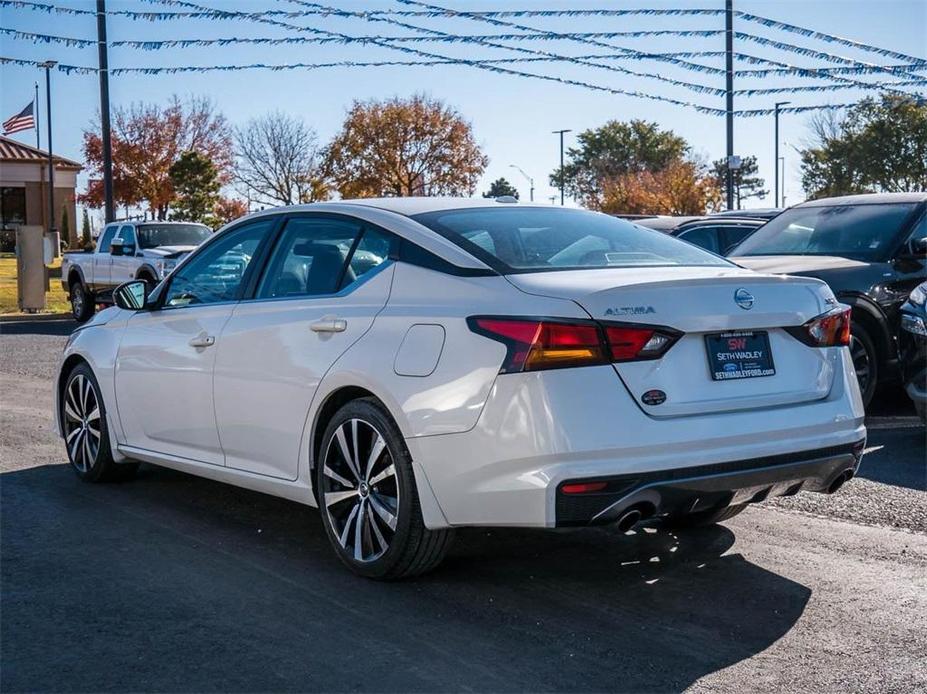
414, 146
680, 188
147, 140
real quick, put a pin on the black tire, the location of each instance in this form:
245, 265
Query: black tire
865, 361
82, 307
390, 540
703, 518
83, 417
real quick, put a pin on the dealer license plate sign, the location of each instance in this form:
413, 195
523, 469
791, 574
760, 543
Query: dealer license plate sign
739, 354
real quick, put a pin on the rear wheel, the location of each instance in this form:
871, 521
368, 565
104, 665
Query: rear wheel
86, 435
81, 302
703, 518
368, 499
865, 361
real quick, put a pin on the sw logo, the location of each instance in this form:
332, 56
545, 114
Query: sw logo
736, 343
629, 311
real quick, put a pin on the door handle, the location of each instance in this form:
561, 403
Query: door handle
329, 325
202, 341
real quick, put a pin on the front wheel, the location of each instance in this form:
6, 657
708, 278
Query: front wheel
865, 362
86, 435
81, 303
368, 499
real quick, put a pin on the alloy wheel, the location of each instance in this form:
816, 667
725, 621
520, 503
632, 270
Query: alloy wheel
360, 490
77, 302
862, 362
82, 425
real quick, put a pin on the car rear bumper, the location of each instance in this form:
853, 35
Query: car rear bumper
708, 487
538, 431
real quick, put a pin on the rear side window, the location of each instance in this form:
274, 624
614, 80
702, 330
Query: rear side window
374, 248
311, 258
735, 234
703, 237
537, 239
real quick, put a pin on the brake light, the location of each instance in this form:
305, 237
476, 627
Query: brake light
535, 344
831, 329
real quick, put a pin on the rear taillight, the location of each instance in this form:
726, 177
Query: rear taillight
831, 329
535, 343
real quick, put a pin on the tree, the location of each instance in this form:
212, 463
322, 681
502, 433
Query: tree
415, 146
196, 187
746, 183
880, 145
278, 160
501, 188
615, 149
65, 230
228, 210
680, 188
86, 234
147, 139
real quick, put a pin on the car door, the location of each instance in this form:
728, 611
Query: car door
122, 266
103, 261
326, 281
164, 367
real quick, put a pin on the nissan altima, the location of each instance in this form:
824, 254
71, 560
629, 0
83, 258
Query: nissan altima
411, 366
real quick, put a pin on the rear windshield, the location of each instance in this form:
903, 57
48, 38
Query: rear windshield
154, 235
536, 239
858, 232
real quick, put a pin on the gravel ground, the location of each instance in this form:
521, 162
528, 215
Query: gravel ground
173, 583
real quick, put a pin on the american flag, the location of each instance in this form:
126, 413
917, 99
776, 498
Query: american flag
24, 120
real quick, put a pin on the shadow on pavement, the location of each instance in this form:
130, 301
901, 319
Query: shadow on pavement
58, 326
896, 456
177, 583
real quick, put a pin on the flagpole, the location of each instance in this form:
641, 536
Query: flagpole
35, 109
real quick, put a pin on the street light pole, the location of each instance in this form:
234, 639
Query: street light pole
530, 180
561, 132
729, 70
48, 65
776, 151
109, 210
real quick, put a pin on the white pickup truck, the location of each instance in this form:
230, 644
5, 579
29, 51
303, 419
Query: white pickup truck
126, 251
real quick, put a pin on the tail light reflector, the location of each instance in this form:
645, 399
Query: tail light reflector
583, 487
535, 343
831, 329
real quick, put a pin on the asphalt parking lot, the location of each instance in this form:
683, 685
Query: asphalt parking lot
173, 583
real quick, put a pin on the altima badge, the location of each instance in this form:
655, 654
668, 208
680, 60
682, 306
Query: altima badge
744, 299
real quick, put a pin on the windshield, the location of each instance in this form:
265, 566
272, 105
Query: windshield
535, 239
154, 235
858, 232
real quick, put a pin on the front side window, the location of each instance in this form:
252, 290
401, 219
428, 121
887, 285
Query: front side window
311, 258
127, 234
859, 232
106, 239
216, 273
535, 239
155, 235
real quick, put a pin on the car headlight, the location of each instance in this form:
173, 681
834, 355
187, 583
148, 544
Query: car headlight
913, 324
919, 295
165, 267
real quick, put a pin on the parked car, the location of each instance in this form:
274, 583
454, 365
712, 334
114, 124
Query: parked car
913, 348
718, 234
124, 251
482, 364
870, 249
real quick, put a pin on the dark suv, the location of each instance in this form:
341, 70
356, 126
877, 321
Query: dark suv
870, 249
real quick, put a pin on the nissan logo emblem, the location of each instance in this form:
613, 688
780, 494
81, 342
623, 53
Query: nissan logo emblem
744, 299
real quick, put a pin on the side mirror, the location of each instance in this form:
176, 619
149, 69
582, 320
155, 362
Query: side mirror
917, 248
117, 246
131, 296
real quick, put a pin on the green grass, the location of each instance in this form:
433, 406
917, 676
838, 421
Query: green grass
55, 299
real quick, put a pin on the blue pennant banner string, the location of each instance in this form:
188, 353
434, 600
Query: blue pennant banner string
827, 72
67, 69
892, 86
433, 33
45, 38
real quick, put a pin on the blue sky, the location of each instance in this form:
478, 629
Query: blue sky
512, 116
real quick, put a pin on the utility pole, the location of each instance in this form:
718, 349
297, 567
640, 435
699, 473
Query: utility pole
729, 50
35, 110
48, 65
561, 132
109, 211
530, 180
776, 151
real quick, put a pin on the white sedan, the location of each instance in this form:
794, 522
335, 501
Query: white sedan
415, 365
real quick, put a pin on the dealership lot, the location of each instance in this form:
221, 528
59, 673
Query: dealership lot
173, 582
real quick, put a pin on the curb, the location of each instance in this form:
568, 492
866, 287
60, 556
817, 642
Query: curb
33, 317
